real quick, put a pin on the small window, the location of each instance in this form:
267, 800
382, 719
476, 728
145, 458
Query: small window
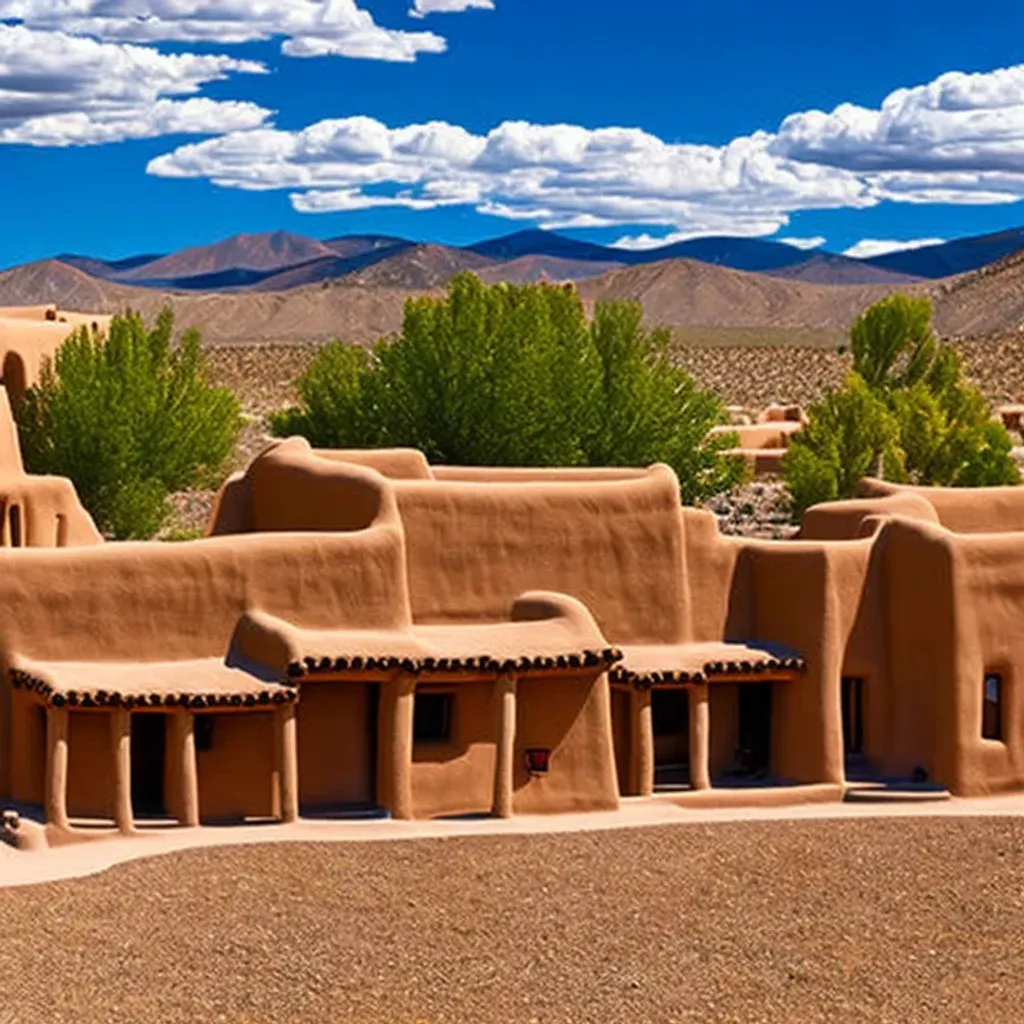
432, 717
204, 733
992, 708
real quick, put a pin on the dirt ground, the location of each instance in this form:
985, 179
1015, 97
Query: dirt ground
899, 921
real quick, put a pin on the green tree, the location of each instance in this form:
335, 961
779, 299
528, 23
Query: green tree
850, 431
129, 418
921, 420
515, 375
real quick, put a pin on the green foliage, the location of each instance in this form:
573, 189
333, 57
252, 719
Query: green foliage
893, 344
850, 431
907, 412
129, 417
504, 375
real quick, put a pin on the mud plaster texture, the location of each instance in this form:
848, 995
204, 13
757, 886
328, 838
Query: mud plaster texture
894, 922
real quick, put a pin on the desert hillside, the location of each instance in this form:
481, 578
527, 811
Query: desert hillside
681, 293
685, 292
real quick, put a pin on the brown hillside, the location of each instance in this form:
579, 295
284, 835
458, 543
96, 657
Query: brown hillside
685, 292
983, 302
249, 252
530, 269
826, 268
420, 267
313, 314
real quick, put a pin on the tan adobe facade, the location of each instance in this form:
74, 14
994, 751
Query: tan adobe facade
30, 334
361, 632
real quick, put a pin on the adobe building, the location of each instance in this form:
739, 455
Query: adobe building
362, 632
763, 440
31, 334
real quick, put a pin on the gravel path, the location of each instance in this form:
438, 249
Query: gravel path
897, 921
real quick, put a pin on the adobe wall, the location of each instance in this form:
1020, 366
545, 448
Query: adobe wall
24, 343
152, 602
337, 733
987, 580
615, 545
572, 719
456, 777
962, 509
236, 775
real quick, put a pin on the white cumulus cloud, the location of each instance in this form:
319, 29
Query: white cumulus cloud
59, 90
421, 8
868, 247
958, 139
557, 175
803, 243
309, 28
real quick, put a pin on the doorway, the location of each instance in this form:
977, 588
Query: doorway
853, 716
754, 747
670, 719
337, 724
149, 751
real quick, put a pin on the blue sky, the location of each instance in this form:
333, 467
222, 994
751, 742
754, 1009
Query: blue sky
129, 126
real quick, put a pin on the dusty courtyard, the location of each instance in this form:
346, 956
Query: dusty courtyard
875, 920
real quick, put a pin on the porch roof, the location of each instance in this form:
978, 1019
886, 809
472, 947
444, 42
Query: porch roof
199, 683
556, 643
647, 665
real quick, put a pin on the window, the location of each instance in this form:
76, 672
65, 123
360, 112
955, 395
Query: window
432, 717
992, 708
204, 733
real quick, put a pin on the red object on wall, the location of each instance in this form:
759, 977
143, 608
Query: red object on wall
538, 760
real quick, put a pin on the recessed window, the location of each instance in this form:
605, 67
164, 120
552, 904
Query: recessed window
992, 708
204, 733
432, 717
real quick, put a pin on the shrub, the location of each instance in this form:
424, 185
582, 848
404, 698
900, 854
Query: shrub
850, 432
922, 421
129, 417
515, 375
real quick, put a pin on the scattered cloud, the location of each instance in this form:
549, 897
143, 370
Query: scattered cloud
556, 175
803, 243
959, 139
309, 28
421, 8
59, 90
868, 247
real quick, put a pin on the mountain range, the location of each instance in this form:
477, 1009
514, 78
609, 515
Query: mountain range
276, 261
285, 287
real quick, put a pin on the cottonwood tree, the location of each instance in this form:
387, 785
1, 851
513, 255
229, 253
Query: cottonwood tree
129, 417
516, 375
906, 412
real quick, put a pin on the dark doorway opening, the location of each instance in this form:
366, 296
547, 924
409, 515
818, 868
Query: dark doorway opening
670, 719
754, 753
853, 716
13, 377
149, 751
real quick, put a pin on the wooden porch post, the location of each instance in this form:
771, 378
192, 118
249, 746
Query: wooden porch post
183, 747
641, 747
394, 764
505, 750
121, 750
700, 737
57, 767
287, 751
